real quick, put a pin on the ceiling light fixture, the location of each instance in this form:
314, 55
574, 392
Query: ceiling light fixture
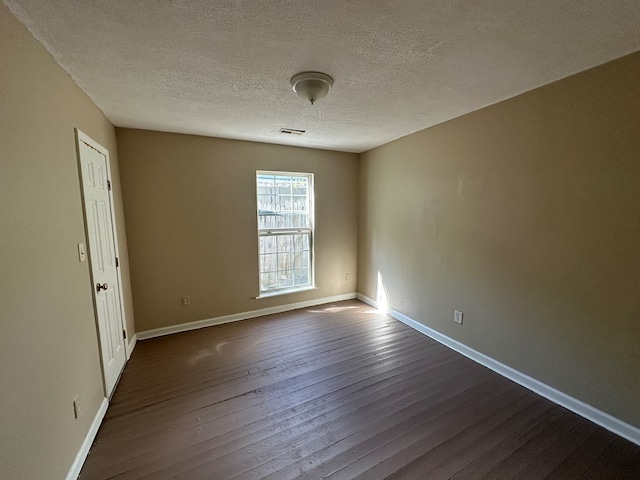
311, 86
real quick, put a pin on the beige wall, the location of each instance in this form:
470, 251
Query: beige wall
48, 340
191, 219
525, 216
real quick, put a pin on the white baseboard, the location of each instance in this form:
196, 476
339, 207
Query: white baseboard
131, 345
185, 327
81, 456
585, 410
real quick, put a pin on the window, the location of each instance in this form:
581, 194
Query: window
285, 230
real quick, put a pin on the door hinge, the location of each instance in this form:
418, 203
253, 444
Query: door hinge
117, 262
124, 334
109, 184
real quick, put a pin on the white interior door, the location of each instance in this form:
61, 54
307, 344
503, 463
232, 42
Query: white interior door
102, 254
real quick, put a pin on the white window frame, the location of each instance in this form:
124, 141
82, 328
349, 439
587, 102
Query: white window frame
310, 230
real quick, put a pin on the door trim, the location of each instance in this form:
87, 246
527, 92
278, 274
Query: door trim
90, 142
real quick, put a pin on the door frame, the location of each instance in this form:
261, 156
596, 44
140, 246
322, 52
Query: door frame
87, 140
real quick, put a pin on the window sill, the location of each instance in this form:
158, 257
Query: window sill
285, 292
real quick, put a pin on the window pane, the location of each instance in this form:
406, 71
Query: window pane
301, 276
285, 279
301, 242
268, 281
268, 244
289, 266
285, 261
284, 203
301, 259
269, 263
285, 243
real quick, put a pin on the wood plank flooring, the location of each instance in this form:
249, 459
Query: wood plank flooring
337, 391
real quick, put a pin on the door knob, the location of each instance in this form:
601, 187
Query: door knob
99, 287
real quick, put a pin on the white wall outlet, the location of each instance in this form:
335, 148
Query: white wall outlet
82, 253
76, 407
457, 317
347, 277
186, 301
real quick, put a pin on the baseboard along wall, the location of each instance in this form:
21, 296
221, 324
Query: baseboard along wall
185, 327
81, 456
585, 410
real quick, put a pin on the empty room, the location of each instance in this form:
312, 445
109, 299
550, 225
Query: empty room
341, 239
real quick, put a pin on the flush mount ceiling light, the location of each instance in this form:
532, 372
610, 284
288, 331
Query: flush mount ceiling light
311, 86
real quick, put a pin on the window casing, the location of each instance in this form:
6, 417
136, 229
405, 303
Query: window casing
285, 231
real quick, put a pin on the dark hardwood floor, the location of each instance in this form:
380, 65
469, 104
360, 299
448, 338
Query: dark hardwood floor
337, 391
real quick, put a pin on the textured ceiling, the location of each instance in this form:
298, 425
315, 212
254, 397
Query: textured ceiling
222, 68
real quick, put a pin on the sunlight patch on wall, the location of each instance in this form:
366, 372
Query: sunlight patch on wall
381, 295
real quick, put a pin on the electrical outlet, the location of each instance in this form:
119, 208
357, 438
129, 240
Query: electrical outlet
76, 407
457, 317
347, 277
186, 301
